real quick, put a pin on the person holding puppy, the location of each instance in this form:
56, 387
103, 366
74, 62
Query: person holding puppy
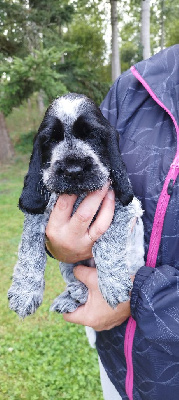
138, 341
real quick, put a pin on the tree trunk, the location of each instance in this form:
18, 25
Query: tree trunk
6, 149
162, 24
145, 28
41, 102
116, 69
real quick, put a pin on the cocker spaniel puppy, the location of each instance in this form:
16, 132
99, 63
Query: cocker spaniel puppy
76, 151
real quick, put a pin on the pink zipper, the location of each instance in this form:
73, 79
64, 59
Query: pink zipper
155, 237
128, 344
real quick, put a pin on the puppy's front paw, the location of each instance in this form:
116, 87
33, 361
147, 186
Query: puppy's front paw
74, 296
64, 303
78, 291
25, 301
114, 289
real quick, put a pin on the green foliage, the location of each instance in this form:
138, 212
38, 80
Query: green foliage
22, 77
131, 53
59, 46
23, 143
13, 17
49, 18
171, 24
90, 44
41, 357
25, 119
167, 12
50, 59
131, 50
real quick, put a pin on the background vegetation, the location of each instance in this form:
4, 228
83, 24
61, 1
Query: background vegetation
61, 46
47, 49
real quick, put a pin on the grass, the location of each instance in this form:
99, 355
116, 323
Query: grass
42, 357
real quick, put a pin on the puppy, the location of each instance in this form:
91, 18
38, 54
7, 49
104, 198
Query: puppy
76, 151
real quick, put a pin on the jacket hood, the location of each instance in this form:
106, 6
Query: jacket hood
155, 73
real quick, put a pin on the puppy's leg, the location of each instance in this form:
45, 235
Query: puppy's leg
112, 252
75, 294
26, 292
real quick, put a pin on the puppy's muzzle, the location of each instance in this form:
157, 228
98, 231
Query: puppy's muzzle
74, 169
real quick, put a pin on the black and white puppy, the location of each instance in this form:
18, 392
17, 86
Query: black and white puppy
76, 151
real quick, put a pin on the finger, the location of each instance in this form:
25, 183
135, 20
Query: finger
104, 217
86, 275
63, 209
77, 317
86, 211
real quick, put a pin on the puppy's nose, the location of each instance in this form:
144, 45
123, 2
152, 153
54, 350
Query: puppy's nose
73, 170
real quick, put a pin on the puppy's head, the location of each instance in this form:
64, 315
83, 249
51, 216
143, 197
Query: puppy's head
75, 151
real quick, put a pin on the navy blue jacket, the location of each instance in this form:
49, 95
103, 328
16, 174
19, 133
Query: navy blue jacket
148, 142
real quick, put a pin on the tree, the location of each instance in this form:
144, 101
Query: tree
6, 149
22, 77
145, 28
115, 62
83, 67
11, 42
162, 24
170, 12
57, 56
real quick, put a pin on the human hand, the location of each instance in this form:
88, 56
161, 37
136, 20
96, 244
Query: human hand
96, 313
69, 238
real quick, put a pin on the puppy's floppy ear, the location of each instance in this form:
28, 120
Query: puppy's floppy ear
34, 197
119, 177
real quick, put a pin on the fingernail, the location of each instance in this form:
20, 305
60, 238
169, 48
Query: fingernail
111, 194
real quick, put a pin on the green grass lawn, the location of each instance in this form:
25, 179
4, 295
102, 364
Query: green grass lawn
41, 357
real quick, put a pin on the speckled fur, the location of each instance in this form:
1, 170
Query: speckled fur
26, 292
76, 151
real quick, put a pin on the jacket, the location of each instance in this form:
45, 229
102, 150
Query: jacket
143, 106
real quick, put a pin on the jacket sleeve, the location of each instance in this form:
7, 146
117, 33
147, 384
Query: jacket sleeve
155, 305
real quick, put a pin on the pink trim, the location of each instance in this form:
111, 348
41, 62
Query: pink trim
164, 197
128, 344
154, 239
160, 212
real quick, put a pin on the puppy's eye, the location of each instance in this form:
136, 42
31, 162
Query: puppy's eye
81, 129
57, 135
51, 131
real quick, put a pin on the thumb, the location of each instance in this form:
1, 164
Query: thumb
87, 275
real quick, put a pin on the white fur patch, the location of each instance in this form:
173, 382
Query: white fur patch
135, 241
67, 109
